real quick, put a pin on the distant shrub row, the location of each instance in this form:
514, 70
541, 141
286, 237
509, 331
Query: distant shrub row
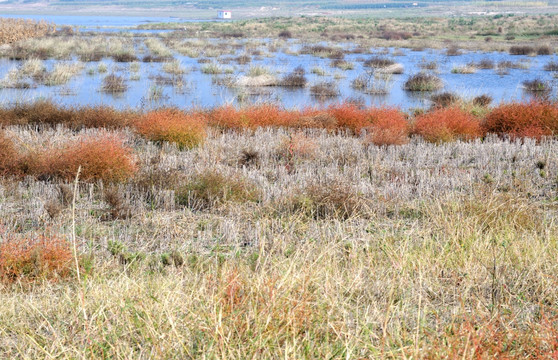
447, 121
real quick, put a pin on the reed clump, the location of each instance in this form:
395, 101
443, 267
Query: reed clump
423, 82
13, 30
211, 188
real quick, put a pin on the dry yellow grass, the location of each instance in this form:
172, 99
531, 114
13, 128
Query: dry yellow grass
443, 243
12, 30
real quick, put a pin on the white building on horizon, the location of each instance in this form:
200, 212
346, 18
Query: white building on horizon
224, 14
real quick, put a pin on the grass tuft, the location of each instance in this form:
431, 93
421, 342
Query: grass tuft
211, 188
423, 82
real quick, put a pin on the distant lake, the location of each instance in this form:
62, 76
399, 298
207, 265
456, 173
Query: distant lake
199, 89
87, 22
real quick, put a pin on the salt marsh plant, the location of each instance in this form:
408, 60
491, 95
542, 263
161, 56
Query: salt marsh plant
342, 64
463, 69
423, 81
324, 89
212, 69
102, 68
378, 62
535, 119
448, 124
62, 73
551, 66
302, 251
135, 67
173, 126
157, 47
124, 56
114, 84
12, 79
9, 156
103, 157
175, 68
445, 99
521, 50
544, 50
257, 70
388, 127
453, 51
482, 100
372, 82
537, 86
318, 71
32, 67
155, 93
210, 189
12, 30
297, 78
40, 258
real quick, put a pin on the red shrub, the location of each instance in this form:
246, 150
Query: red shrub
534, 119
268, 115
101, 158
9, 157
228, 117
34, 259
174, 126
389, 127
447, 124
350, 116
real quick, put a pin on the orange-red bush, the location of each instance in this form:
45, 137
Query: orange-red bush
9, 156
228, 117
34, 259
350, 116
448, 124
534, 119
102, 157
174, 126
389, 127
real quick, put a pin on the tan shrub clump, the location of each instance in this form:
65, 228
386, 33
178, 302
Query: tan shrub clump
102, 157
38, 258
9, 155
12, 30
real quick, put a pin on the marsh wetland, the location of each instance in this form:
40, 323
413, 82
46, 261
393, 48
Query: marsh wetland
298, 188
